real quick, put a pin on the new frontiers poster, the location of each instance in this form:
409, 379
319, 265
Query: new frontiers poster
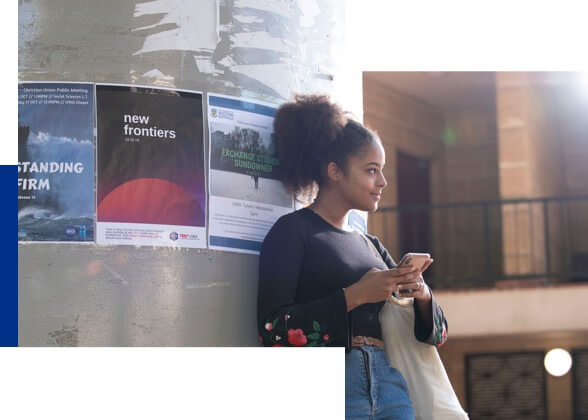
246, 197
55, 161
151, 187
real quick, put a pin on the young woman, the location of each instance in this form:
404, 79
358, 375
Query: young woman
323, 285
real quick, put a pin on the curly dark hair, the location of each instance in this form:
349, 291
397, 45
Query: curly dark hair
310, 132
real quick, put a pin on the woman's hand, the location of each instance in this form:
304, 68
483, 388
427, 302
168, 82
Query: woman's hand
417, 288
377, 285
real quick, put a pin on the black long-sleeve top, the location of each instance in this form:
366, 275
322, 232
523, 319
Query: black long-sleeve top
305, 263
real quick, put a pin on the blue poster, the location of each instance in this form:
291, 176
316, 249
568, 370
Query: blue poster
55, 161
246, 196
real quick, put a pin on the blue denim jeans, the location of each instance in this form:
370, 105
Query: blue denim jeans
373, 389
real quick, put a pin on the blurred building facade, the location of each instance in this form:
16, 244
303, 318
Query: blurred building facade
487, 172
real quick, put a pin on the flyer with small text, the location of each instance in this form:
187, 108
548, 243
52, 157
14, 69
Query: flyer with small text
246, 196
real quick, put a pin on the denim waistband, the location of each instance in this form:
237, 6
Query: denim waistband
373, 389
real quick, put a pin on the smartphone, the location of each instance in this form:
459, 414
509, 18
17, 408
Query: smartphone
415, 259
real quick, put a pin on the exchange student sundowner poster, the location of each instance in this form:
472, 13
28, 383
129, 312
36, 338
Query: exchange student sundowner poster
151, 187
246, 197
55, 161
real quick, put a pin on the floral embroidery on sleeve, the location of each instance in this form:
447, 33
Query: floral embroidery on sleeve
439, 328
277, 334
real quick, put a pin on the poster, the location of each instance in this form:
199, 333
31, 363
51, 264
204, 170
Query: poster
55, 161
150, 158
246, 197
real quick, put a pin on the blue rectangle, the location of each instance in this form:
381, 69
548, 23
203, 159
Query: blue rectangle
357, 222
241, 105
9, 247
235, 243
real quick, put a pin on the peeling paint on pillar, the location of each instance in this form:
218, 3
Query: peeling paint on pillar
88, 295
262, 48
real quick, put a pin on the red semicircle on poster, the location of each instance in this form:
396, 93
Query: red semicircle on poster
151, 201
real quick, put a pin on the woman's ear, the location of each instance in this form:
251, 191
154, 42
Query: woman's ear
334, 172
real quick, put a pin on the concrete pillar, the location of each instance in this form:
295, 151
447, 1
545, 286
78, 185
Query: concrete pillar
88, 295
530, 166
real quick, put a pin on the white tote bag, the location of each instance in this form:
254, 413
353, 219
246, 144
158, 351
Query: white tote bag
432, 395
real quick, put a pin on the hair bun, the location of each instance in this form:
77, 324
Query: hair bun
305, 129
321, 120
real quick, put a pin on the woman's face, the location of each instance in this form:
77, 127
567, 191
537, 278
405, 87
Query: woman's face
362, 181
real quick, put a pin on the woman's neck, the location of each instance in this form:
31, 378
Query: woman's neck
330, 210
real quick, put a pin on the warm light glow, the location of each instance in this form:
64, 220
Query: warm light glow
557, 362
